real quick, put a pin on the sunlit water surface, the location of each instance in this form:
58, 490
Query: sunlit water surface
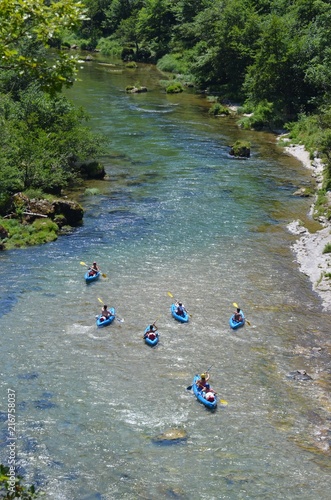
176, 214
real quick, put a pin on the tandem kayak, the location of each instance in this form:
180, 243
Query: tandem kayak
236, 324
93, 277
107, 321
152, 339
182, 319
200, 395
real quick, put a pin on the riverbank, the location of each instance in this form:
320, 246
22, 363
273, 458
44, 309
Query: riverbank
308, 249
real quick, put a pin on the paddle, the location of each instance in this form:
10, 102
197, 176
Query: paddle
156, 320
190, 386
84, 264
121, 320
236, 306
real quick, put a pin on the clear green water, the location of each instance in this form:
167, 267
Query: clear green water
176, 214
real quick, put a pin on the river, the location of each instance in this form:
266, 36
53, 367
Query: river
175, 214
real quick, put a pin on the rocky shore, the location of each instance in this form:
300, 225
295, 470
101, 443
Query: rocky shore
308, 248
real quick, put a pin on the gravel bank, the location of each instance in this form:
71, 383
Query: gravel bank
308, 248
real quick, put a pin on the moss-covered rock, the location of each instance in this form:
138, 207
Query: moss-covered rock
174, 88
241, 149
91, 170
37, 221
71, 211
135, 89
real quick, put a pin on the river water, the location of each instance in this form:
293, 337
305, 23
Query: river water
175, 214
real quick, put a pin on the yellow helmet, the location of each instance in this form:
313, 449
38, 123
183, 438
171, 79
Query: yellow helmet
203, 375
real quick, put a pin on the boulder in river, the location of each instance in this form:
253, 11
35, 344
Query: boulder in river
171, 436
241, 149
299, 375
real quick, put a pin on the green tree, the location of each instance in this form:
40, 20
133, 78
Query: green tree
118, 11
227, 35
23, 21
43, 138
273, 77
155, 22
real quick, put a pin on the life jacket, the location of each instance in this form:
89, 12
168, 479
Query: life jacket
210, 397
152, 336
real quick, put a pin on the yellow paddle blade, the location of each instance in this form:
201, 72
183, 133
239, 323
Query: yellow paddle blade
235, 304
83, 264
104, 275
223, 402
170, 295
248, 322
100, 300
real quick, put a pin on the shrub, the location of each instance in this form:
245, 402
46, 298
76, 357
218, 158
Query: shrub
263, 116
218, 109
20, 491
327, 248
170, 64
34, 194
109, 47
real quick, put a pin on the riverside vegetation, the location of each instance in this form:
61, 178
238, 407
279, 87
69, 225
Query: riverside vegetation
272, 56
45, 140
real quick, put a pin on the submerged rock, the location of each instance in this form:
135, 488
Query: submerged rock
299, 375
171, 436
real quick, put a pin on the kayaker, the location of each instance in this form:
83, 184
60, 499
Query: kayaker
105, 313
237, 316
180, 309
209, 393
202, 382
151, 333
94, 269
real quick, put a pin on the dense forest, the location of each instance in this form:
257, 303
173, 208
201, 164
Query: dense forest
271, 56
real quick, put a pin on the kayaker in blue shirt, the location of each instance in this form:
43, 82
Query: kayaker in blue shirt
180, 309
209, 393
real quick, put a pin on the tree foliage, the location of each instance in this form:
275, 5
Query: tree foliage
42, 139
23, 22
257, 51
43, 135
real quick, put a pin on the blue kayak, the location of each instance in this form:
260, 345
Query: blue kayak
200, 395
150, 340
107, 321
182, 319
93, 277
236, 324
